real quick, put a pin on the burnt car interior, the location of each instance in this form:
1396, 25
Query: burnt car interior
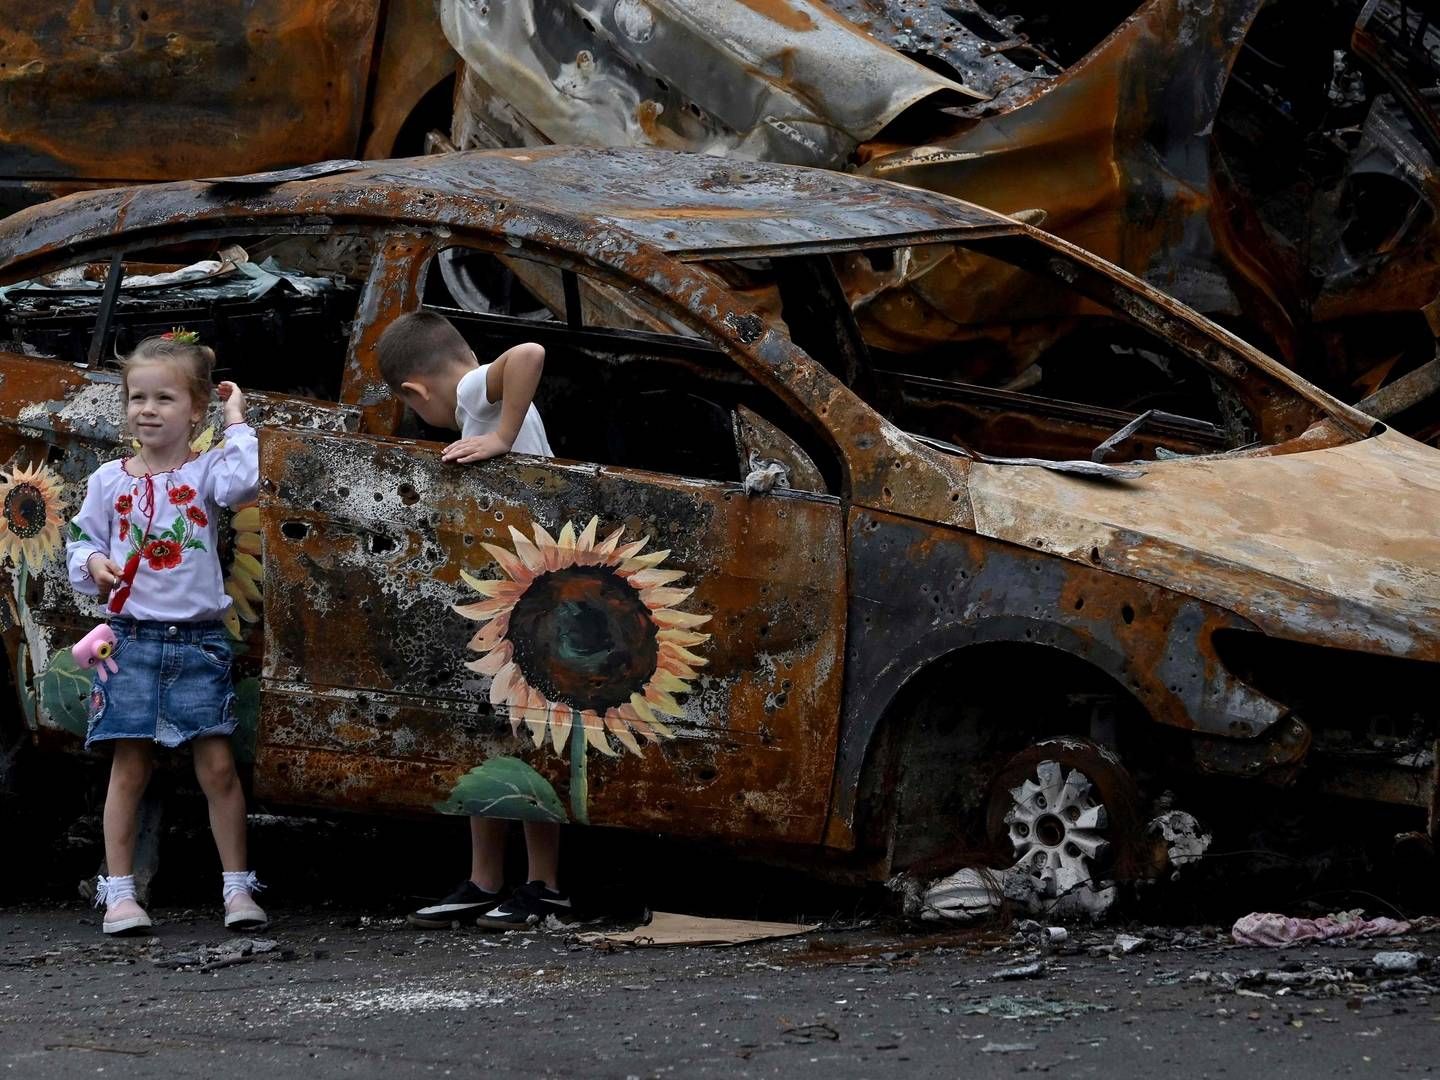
278, 318
638, 399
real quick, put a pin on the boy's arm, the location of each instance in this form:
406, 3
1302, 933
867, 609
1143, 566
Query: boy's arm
511, 380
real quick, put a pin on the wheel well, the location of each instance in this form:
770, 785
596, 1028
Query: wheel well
953, 726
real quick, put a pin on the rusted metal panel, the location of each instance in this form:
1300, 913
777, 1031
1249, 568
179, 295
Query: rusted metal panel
202, 89
920, 594
1366, 579
625, 74
374, 535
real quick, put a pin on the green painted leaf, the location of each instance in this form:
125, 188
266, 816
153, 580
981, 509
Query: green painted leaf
64, 692
504, 787
194, 544
77, 533
247, 719
177, 529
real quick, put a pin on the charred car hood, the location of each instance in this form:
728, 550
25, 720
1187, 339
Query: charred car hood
1339, 546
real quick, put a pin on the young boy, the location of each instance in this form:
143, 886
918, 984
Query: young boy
428, 365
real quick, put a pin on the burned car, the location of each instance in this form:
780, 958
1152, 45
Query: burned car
779, 588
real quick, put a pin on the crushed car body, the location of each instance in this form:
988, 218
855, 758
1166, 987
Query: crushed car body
818, 601
1272, 165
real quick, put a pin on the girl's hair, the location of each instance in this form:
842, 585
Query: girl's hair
181, 348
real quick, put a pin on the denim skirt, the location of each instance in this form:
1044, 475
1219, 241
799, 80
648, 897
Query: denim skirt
173, 684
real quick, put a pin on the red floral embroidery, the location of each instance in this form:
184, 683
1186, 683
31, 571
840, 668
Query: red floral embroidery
195, 514
182, 494
124, 528
162, 554
122, 504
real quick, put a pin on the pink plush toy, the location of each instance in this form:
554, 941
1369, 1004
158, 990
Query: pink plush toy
94, 649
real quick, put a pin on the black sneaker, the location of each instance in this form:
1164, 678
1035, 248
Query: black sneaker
463, 905
530, 903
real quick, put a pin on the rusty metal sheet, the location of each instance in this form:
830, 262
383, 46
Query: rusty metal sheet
374, 535
680, 204
1336, 545
202, 89
751, 79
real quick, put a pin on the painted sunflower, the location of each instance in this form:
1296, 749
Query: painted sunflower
239, 548
240, 559
30, 518
585, 633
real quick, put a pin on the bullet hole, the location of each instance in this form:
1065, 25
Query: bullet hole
1079, 603
294, 530
1095, 555
888, 494
379, 497
343, 492
705, 774
499, 515
144, 15
467, 539
1128, 614
408, 495
380, 544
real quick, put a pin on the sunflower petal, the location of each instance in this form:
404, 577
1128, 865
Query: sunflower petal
586, 542
492, 663
678, 653
510, 563
242, 603
676, 667
562, 717
250, 565
483, 609
529, 554
491, 587
664, 680
232, 623
607, 546
502, 687
247, 586
248, 542
622, 733
649, 579
681, 637
567, 536
641, 709
595, 733
664, 598
537, 731
246, 519
491, 635
629, 551
685, 620
658, 699
637, 563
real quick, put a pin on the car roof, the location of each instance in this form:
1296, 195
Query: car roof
689, 205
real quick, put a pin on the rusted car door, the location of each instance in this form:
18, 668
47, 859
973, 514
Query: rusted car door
631, 648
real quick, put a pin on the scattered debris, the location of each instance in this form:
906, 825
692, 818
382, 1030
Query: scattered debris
1032, 970
1398, 963
1027, 1007
1125, 944
1185, 842
1281, 931
1006, 1048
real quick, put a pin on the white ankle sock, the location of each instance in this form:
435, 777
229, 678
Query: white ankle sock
238, 881
109, 891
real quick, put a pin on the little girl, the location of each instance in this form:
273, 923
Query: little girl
145, 539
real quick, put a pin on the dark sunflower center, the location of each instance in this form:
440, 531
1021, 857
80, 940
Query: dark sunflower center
583, 638
25, 510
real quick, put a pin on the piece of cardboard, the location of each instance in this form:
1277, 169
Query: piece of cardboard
667, 929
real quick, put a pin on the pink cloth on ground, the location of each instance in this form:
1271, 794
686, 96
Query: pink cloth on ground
1280, 931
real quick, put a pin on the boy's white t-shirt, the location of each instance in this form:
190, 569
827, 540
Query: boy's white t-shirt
477, 415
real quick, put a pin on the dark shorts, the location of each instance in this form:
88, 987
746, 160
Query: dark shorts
173, 684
